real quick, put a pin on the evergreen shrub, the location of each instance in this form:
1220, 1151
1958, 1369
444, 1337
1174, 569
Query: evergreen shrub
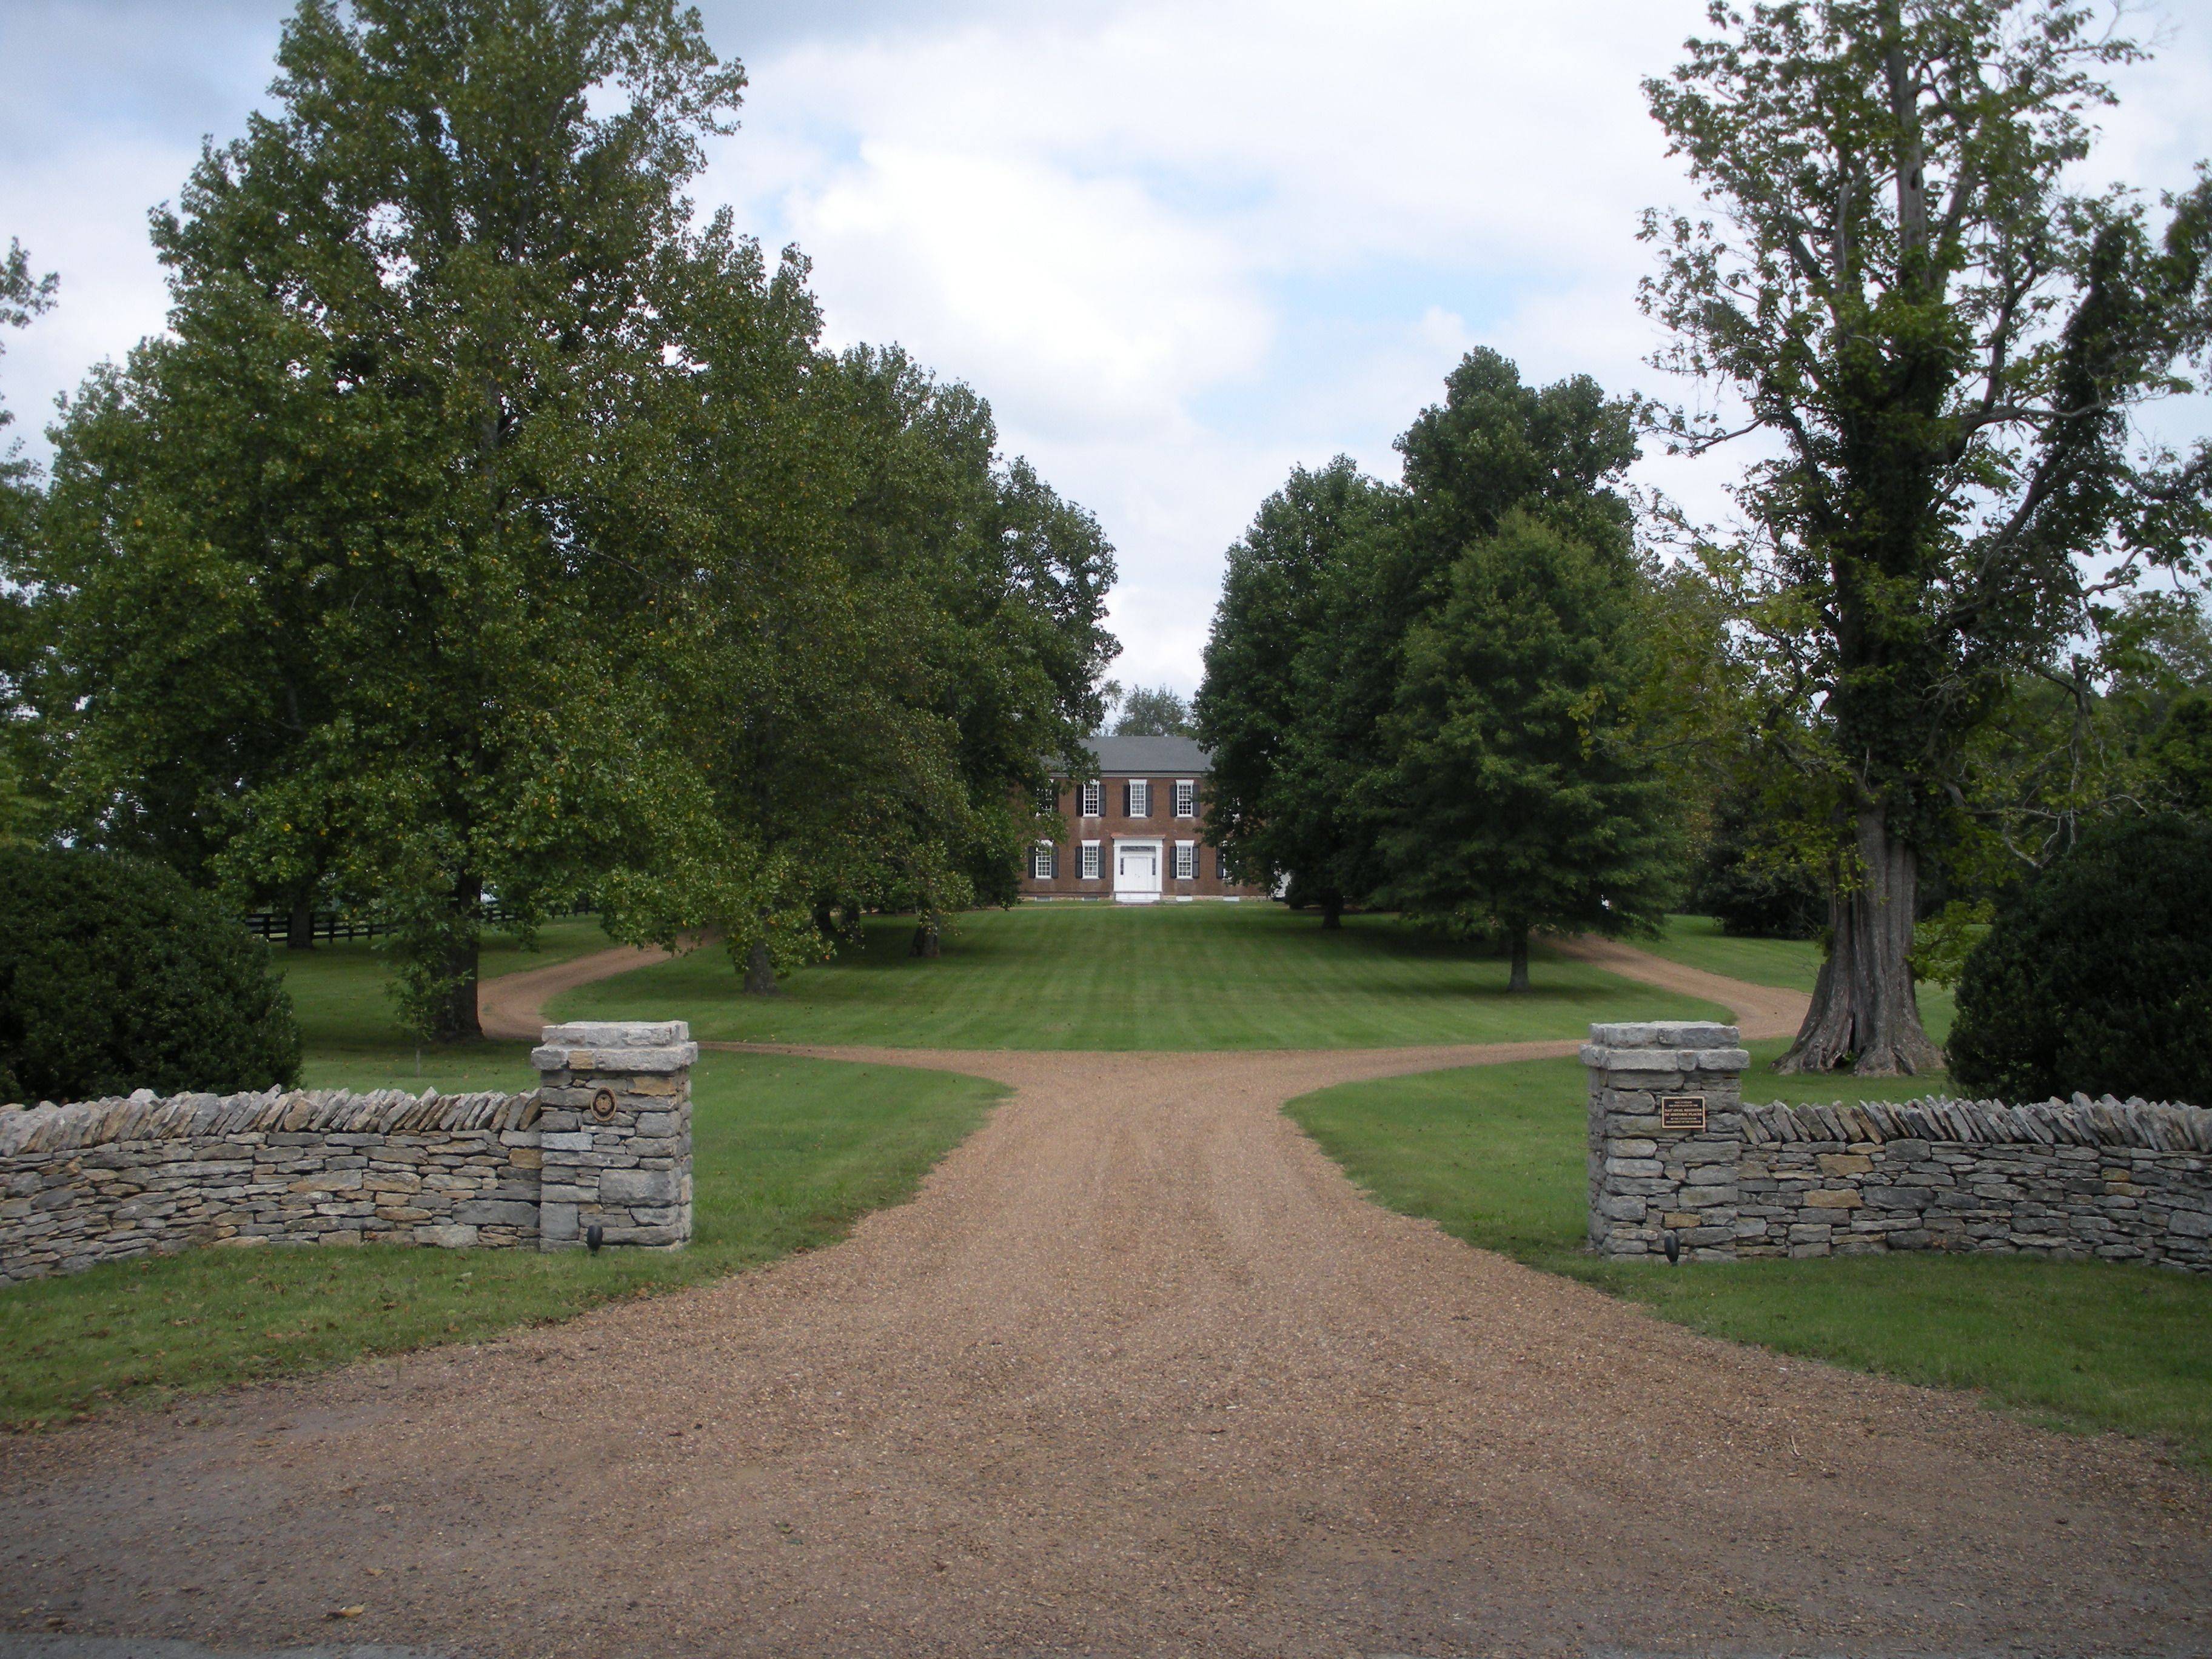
115, 976
2097, 976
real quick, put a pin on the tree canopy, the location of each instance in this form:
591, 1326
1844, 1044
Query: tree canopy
1149, 711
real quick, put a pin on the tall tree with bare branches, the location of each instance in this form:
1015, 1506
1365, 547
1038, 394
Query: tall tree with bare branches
1943, 342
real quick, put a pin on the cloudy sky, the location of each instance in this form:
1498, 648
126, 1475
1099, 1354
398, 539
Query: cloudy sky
1180, 246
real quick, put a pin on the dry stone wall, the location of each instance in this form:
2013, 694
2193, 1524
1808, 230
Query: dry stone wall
2124, 1181
98, 1180
605, 1143
2119, 1180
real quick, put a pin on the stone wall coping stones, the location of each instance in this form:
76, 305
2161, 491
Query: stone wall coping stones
2081, 1121
1666, 1034
653, 1048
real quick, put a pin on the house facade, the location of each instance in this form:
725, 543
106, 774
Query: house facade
1135, 833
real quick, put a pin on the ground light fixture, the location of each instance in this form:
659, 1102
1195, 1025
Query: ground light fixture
1673, 1247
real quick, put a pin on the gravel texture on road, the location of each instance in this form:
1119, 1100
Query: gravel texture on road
1139, 1372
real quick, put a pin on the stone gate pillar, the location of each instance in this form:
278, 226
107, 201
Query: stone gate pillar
615, 1133
1666, 1136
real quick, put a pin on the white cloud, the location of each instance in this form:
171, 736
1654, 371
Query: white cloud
1077, 301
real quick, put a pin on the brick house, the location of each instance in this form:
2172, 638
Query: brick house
1136, 832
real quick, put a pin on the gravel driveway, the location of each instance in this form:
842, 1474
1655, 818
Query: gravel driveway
1139, 1372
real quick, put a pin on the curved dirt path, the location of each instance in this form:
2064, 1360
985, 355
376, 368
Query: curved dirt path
1139, 1372
512, 1006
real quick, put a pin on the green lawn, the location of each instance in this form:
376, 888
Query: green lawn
1697, 942
1160, 977
786, 1155
1495, 1155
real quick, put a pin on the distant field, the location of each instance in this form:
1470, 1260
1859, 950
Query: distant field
1162, 977
1697, 942
351, 1028
1494, 1155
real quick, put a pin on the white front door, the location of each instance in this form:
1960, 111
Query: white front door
1137, 872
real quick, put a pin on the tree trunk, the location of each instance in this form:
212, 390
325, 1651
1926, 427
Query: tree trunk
1864, 1008
1517, 980
760, 971
299, 928
460, 1023
1332, 911
925, 941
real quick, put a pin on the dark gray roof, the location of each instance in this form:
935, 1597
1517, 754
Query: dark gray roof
1156, 756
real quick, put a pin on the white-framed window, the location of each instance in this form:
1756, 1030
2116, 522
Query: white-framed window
1185, 798
1185, 861
1044, 861
1137, 798
1047, 799
1094, 799
1094, 862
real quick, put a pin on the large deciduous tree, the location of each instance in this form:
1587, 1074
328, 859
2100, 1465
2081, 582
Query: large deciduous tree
1508, 790
484, 527
338, 602
1519, 794
1942, 343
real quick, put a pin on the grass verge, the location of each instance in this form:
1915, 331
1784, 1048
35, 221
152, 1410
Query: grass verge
788, 1154
1494, 1155
1095, 976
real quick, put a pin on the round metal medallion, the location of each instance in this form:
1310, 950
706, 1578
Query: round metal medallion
603, 1105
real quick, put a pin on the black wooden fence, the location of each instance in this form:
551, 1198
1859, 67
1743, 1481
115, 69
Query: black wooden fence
333, 925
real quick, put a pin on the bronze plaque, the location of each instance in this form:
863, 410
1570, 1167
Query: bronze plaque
603, 1108
1683, 1112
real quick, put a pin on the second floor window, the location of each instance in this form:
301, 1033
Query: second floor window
1185, 798
1094, 799
1140, 797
